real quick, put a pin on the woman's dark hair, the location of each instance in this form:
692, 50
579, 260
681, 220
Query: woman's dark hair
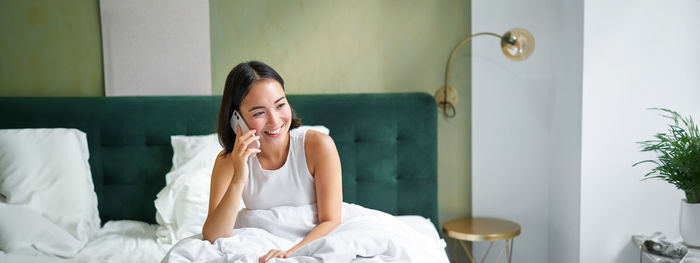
236, 88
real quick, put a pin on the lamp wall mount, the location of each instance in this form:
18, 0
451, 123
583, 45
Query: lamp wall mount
517, 44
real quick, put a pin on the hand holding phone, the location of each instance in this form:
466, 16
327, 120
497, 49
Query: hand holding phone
237, 120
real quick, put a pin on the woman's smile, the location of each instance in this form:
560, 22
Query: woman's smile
275, 132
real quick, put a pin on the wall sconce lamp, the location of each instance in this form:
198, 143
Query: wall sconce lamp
517, 44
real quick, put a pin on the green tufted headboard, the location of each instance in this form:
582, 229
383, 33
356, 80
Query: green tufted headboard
387, 144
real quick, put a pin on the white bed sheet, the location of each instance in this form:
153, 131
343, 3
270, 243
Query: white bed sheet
135, 241
116, 241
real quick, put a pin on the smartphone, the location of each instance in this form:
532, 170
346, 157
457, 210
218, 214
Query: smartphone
237, 120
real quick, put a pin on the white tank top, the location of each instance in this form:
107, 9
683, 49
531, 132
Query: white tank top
290, 185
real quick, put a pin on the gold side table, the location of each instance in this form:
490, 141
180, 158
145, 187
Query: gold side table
475, 229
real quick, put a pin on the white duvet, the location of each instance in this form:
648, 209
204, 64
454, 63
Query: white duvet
365, 235
134, 241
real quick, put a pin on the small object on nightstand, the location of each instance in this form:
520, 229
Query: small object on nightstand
660, 250
483, 229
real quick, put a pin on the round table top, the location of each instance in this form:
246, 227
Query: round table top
481, 229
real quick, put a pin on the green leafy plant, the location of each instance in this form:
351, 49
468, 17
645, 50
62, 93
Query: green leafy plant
678, 155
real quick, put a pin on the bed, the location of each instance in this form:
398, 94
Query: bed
387, 145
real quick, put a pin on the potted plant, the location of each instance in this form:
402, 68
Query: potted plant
678, 162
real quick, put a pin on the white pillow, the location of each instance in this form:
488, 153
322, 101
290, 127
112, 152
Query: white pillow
182, 205
23, 231
45, 172
193, 153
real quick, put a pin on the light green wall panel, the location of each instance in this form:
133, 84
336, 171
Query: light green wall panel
50, 48
359, 46
339, 46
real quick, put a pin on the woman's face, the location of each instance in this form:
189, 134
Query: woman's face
265, 109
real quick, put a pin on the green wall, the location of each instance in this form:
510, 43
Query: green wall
50, 48
339, 46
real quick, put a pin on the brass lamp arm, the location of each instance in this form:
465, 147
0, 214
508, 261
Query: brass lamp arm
454, 51
516, 44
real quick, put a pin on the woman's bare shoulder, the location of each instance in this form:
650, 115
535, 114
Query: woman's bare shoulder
318, 146
320, 151
318, 141
223, 162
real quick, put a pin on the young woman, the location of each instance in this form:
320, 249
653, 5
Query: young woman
291, 168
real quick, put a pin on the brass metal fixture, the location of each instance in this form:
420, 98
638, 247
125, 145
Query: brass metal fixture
517, 44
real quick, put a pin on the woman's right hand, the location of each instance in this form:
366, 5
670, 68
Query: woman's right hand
240, 154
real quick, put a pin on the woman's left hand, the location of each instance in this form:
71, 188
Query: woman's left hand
274, 253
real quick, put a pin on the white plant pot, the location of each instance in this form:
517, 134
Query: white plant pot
690, 223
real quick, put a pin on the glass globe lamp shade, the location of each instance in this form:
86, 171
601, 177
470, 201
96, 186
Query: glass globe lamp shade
517, 44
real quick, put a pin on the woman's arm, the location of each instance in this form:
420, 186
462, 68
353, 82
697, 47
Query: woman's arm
224, 202
324, 164
227, 181
329, 186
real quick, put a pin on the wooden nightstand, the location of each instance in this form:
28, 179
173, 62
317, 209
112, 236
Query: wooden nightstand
483, 229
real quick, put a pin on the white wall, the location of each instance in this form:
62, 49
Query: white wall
565, 139
156, 47
512, 114
527, 126
554, 137
637, 54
